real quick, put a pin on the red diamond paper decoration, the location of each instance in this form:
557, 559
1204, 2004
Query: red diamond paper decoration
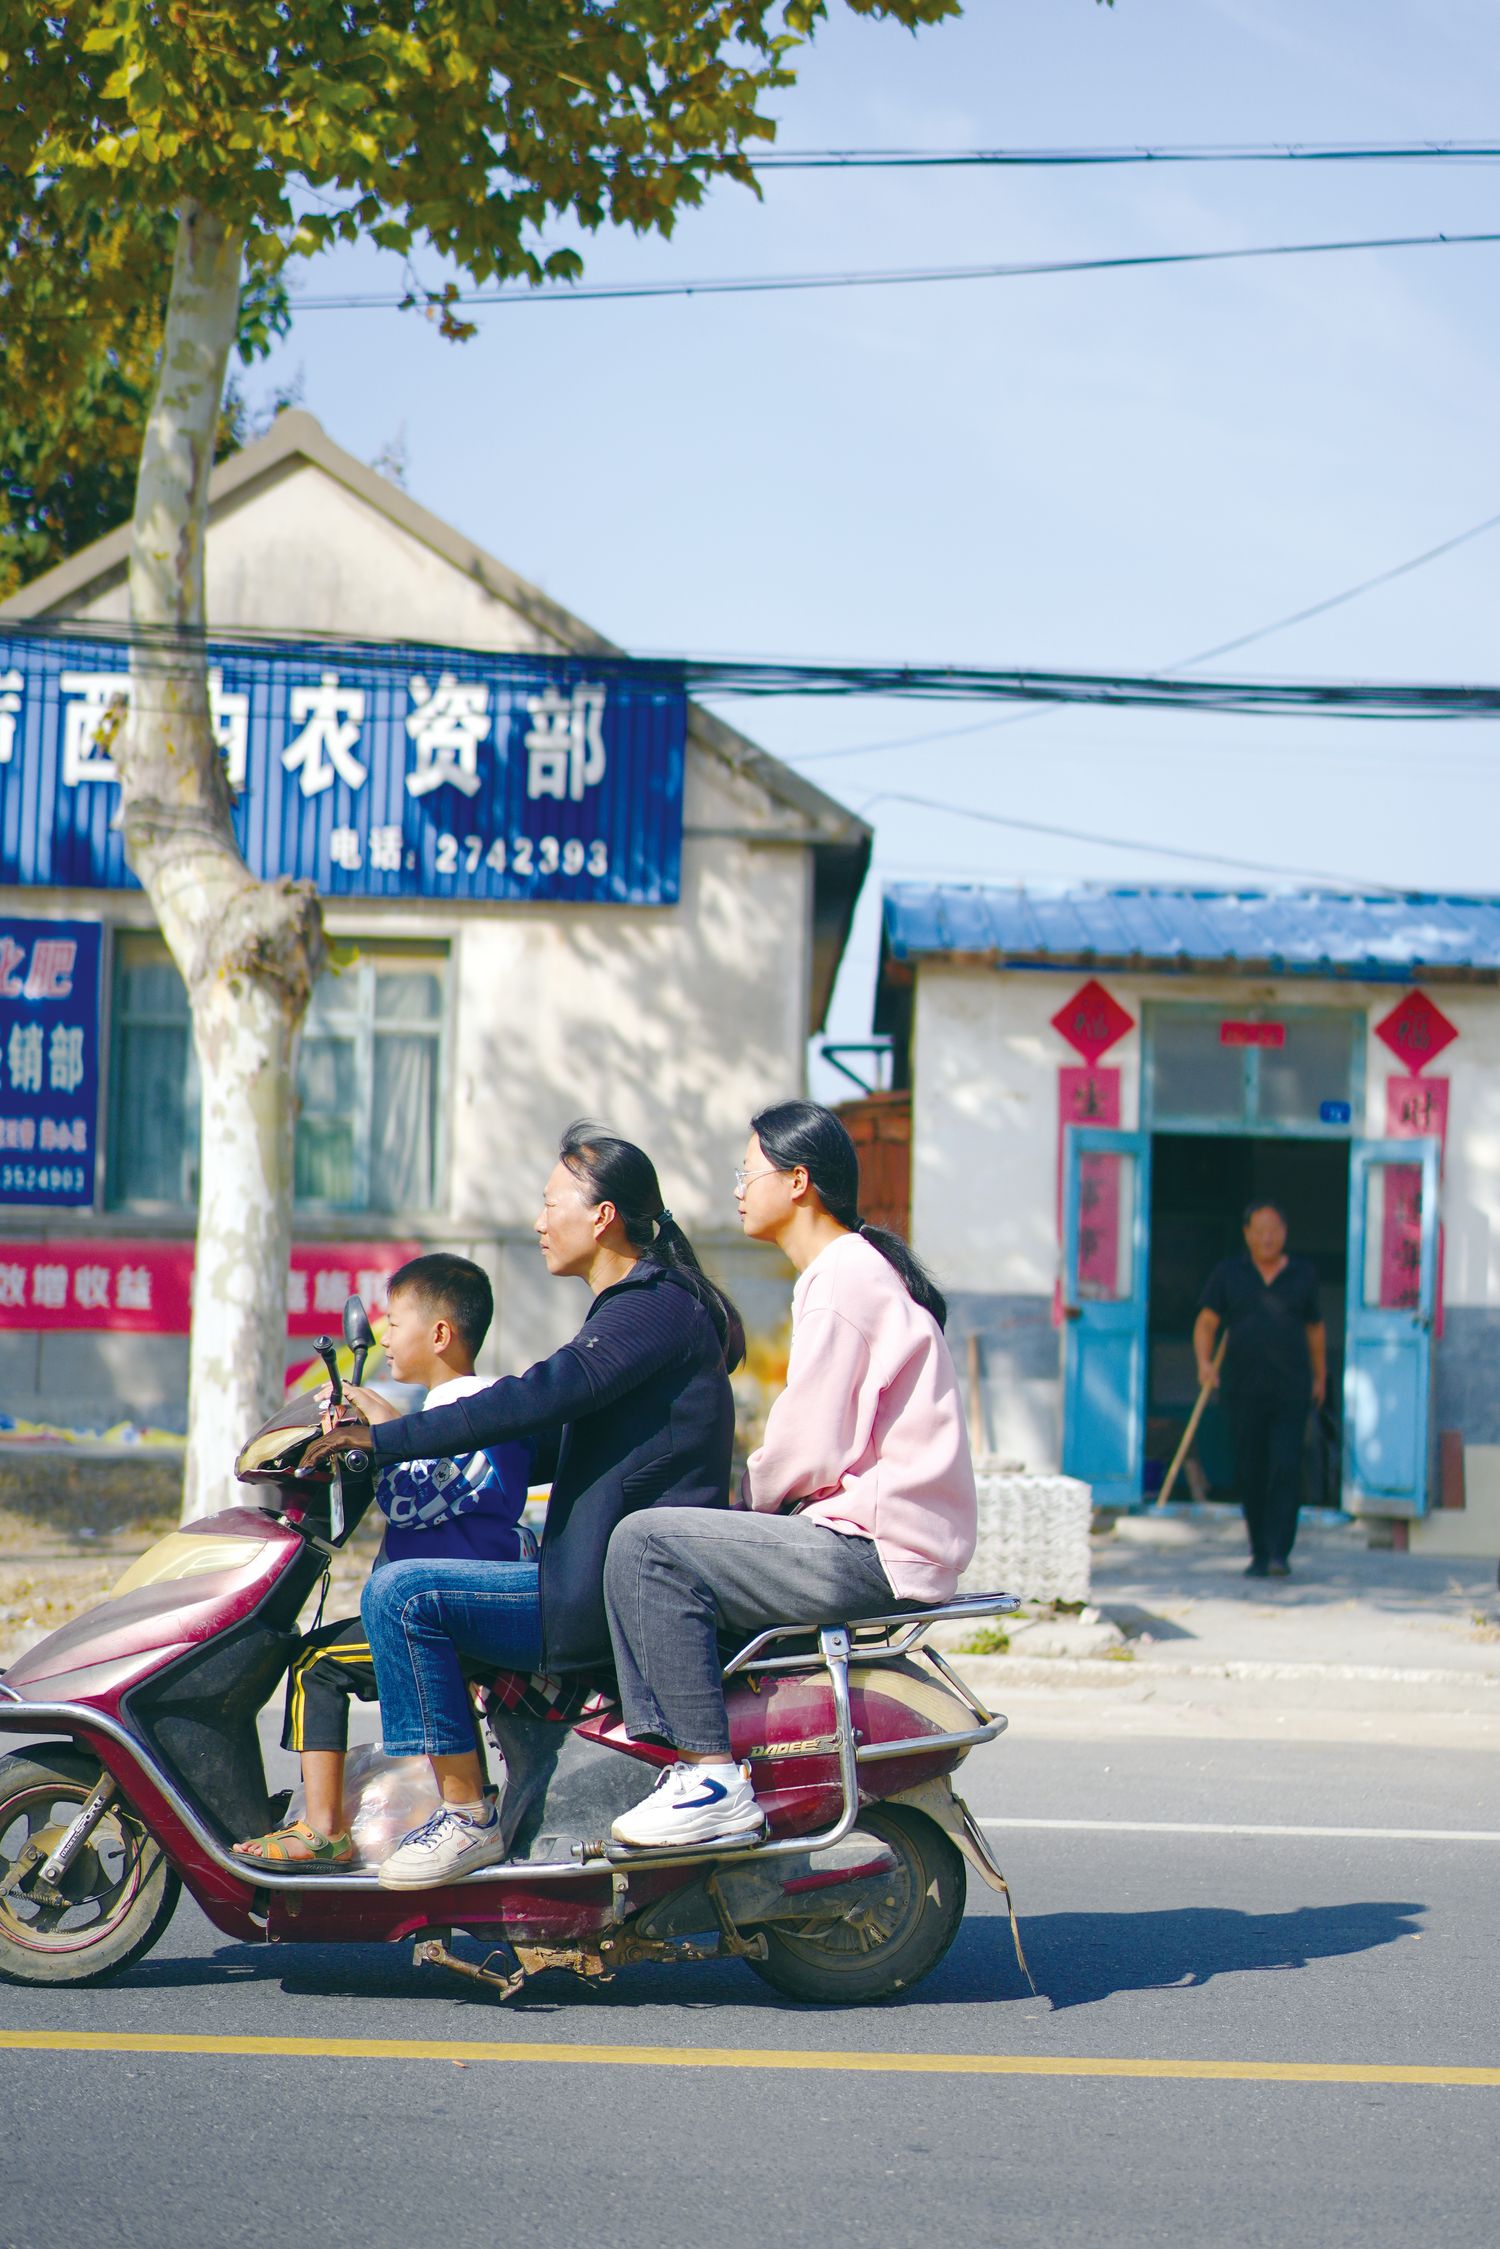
1092, 1021
1416, 1031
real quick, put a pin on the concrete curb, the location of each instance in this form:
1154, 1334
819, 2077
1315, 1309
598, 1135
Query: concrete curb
989, 1674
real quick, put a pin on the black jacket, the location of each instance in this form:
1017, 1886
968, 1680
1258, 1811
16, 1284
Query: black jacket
640, 1408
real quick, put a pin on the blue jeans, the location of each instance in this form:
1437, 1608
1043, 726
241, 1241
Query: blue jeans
419, 1618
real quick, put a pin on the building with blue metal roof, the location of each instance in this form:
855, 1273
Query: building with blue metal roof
1382, 938
1101, 1079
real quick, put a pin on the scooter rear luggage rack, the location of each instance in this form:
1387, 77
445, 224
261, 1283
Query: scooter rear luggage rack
910, 1623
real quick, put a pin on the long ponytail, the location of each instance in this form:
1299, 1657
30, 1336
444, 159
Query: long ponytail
617, 1171
801, 1132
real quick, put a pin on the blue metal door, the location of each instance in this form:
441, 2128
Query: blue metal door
1106, 1198
1393, 1213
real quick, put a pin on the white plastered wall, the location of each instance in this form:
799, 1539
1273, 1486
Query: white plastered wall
984, 1171
298, 551
673, 1024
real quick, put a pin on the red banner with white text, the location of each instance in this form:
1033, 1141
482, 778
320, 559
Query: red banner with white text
146, 1287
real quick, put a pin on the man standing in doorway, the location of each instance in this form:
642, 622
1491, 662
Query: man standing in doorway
1274, 1370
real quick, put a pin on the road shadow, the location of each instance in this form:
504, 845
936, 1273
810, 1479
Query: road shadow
1077, 1959
1080, 1958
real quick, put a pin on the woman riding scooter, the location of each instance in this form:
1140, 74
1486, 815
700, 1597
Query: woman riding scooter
866, 1445
639, 1414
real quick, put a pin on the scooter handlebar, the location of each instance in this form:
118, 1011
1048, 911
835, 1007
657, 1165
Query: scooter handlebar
327, 1351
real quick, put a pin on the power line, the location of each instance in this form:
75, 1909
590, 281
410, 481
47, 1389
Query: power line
738, 285
747, 285
1209, 152
1125, 843
756, 678
1183, 663
1336, 601
1367, 699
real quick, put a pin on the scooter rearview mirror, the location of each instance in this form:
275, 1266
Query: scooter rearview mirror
358, 1334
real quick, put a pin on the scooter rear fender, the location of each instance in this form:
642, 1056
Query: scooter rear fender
785, 1725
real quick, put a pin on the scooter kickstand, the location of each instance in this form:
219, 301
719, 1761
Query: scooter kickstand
738, 1947
432, 1952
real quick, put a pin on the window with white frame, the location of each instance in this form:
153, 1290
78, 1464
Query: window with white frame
369, 1083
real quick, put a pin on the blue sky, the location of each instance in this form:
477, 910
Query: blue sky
1090, 472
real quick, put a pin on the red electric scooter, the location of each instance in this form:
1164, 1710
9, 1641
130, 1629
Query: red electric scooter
149, 1769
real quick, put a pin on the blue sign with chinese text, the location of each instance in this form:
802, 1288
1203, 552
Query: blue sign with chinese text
372, 771
49, 1060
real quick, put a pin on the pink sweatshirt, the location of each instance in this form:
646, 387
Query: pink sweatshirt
869, 1431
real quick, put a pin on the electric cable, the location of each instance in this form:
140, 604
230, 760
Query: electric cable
1208, 152
753, 678
1183, 663
1130, 843
892, 277
452, 299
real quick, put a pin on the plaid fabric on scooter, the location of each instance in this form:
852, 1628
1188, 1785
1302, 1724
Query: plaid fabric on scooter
531, 1695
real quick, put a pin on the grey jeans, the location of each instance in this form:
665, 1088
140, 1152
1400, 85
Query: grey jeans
675, 1577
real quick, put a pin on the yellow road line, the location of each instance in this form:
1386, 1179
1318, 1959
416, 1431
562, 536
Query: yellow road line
736, 2057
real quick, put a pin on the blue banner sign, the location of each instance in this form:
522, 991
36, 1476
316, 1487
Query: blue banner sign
49, 1063
370, 771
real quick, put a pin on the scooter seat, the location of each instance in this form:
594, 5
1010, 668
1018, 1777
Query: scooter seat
534, 1695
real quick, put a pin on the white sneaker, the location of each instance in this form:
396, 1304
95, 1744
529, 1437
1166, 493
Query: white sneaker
447, 1846
693, 1804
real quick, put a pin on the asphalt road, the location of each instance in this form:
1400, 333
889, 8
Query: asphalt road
1157, 1951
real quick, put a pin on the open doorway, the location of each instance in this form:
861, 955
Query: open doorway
1200, 1184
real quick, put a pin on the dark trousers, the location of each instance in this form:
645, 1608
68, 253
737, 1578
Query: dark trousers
675, 1577
1268, 1435
332, 1664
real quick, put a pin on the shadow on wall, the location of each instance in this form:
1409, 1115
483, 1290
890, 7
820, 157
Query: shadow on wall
757, 1386
674, 1047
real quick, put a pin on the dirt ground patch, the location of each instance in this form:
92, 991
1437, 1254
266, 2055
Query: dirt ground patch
71, 1522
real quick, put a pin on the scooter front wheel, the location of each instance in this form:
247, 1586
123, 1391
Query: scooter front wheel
888, 1946
113, 1902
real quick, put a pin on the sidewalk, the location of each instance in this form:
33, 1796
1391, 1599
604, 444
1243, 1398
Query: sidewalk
1359, 1643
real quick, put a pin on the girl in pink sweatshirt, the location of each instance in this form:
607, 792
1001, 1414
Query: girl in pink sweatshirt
861, 1497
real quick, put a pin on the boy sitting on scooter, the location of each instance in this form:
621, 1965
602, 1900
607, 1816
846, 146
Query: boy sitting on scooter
439, 1312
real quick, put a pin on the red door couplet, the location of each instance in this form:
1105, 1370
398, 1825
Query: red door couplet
1415, 1109
1092, 1021
1089, 1096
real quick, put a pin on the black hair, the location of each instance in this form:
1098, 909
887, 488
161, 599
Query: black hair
801, 1132
617, 1171
454, 1288
1262, 1202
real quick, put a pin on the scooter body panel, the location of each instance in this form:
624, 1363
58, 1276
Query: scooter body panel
191, 1587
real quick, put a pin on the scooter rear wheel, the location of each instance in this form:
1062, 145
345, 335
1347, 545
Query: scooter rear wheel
888, 1947
114, 1900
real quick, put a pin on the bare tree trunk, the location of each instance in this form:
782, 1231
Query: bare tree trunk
247, 951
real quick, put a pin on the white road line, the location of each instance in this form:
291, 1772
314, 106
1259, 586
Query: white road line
1212, 1827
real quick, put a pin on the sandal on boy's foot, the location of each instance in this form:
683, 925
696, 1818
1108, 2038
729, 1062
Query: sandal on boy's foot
297, 1844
